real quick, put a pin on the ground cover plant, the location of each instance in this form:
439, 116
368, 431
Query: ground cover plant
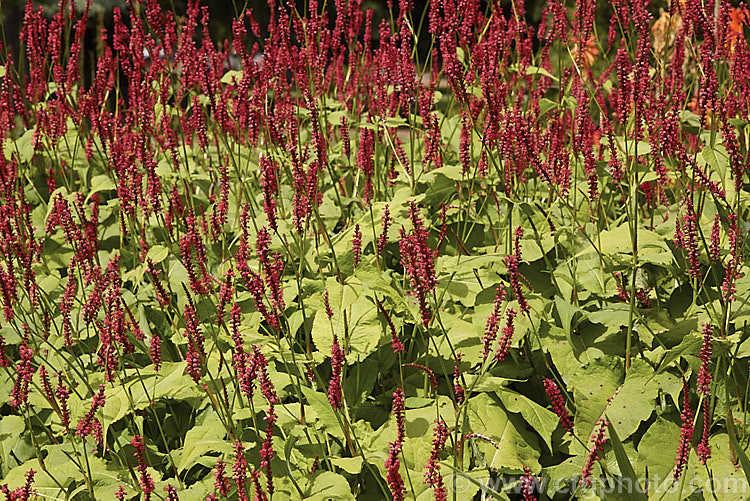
320, 264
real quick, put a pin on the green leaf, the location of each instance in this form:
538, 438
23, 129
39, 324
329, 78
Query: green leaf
203, 439
395, 122
417, 402
593, 384
618, 240
634, 400
178, 274
157, 253
329, 485
663, 435
635, 490
349, 465
322, 411
231, 76
543, 421
454, 172
570, 316
718, 159
736, 447
460, 487
99, 183
536, 70
690, 345
360, 333
170, 382
11, 428
516, 447
23, 146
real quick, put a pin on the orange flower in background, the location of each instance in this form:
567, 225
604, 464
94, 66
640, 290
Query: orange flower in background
738, 16
706, 117
590, 51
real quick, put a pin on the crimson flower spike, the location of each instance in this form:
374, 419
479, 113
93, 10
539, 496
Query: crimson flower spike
686, 432
558, 405
512, 262
432, 475
392, 463
598, 439
334, 387
417, 260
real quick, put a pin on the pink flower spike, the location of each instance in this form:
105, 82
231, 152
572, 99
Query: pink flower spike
334, 387
599, 439
392, 463
704, 374
558, 405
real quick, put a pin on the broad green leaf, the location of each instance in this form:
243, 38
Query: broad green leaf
322, 411
329, 485
23, 147
635, 490
11, 428
462, 336
454, 172
569, 314
593, 384
536, 70
634, 400
516, 446
724, 478
203, 439
690, 345
657, 448
349, 465
619, 240
718, 160
543, 421
564, 356
157, 253
468, 484
737, 448
170, 382
178, 275
101, 182
360, 334
231, 76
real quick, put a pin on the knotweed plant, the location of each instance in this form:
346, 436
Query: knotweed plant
463, 252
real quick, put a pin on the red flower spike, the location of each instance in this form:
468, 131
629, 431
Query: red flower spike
240, 470
357, 245
383, 238
86, 424
221, 482
493, 322
507, 337
686, 433
598, 440
430, 374
396, 343
392, 463
704, 374
432, 475
527, 484
417, 260
146, 482
558, 405
334, 386
458, 388
704, 449
714, 246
